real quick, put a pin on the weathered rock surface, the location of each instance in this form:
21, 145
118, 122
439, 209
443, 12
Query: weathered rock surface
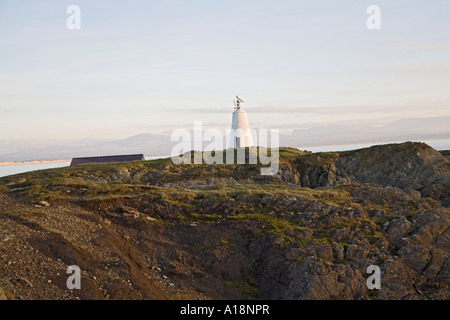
155, 230
408, 166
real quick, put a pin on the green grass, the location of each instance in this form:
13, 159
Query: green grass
313, 241
166, 164
204, 218
22, 212
273, 225
248, 287
86, 170
345, 261
291, 152
70, 188
227, 243
338, 195
69, 183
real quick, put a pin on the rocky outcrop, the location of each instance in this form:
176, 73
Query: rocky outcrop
409, 271
446, 153
408, 166
160, 231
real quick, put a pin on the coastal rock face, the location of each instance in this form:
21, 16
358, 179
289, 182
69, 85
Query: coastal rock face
408, 166
155, 230
446, 154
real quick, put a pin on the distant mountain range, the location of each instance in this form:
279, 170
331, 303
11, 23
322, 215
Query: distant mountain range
412, 129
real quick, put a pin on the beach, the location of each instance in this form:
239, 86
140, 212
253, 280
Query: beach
13, 163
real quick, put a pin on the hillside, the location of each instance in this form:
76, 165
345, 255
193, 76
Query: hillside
156, 230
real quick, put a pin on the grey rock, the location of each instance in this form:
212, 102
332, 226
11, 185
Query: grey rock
382, 244
341, 234
295, 254
313, 279
357, 251
416, 257
384, 195
338, 251
397, 281
397, 229
324, 251
436, 263
409, 166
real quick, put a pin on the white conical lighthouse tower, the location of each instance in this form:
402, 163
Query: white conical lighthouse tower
241, 135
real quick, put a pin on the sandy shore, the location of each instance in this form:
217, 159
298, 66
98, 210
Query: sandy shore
29, 162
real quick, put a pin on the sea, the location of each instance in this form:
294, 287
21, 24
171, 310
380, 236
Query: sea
443, 144
26, 167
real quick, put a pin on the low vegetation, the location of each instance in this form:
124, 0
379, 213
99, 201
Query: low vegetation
156, 230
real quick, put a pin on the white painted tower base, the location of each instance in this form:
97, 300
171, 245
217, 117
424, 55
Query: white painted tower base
241, 135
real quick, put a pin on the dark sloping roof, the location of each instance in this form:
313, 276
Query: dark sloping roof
107, 159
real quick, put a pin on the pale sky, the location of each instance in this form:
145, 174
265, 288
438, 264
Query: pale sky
140, 66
